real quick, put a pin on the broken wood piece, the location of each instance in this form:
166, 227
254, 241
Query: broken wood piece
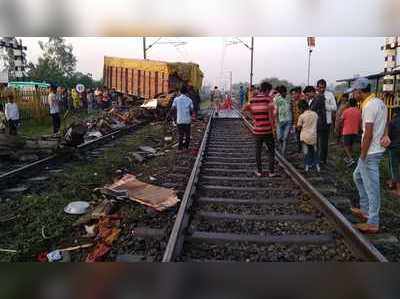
77, 247
153, 196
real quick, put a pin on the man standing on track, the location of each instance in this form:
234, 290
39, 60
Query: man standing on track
284, 117
296, 97
262, 109
242, 95
330, 108
184, 107
216, 99
317, 104
374, 141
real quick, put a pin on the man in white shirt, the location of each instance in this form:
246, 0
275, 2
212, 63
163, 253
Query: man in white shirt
330, 108
12, 114
184, 107
54, 105
374, 141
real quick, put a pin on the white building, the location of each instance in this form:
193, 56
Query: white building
391, 50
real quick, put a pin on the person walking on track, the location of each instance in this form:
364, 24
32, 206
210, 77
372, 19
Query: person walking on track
374, 141
216, 99
184, 107
242, 95
284, 116
261, 108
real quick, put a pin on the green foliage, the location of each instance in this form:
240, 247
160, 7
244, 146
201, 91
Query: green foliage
59, 54
276, 82
57, 65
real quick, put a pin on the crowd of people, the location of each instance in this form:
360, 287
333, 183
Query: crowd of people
311, 115
61, 100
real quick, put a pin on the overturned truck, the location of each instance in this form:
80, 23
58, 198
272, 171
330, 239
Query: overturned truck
149, 79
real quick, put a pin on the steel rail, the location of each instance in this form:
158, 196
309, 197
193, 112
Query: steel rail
6, 176
357, 242
175, 241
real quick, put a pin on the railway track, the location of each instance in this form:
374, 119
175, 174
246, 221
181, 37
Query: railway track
228, 214
19, 180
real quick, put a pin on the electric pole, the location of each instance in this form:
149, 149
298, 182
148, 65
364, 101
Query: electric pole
252, 61
144, 48
309, 66
311, 46
251, 48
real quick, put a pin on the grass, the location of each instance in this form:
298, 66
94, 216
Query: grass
44, 209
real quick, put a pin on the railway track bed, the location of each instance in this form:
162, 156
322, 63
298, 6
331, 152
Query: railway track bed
229, 214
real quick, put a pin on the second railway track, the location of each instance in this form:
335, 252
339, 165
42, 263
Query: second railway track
229, 214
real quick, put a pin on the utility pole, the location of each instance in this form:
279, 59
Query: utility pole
311, 45
252, 61
309, 66
230, 83
144, 48
251, 48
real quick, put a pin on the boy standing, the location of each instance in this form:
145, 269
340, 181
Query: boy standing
307, 123
351, 119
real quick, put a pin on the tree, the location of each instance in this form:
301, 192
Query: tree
57, 66
59, 54
57, 63
276, 82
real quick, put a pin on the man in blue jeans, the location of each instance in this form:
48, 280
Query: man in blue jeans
283, 116
184, 107
374, 141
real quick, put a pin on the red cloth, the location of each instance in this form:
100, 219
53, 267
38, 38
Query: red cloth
262, 110
351, 121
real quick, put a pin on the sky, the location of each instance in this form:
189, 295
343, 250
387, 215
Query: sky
283, 57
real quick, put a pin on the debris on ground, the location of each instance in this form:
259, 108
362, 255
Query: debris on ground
101, 210
153, 196
148, 149
108, 231
60, 255
77, 208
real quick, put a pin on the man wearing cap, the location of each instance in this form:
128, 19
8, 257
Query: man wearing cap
374, 141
